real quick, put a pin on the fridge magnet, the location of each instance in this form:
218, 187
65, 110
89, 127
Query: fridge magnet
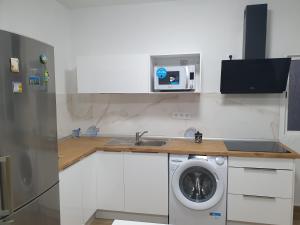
43, 59
17, 87
46, 76
34, 80
14, 65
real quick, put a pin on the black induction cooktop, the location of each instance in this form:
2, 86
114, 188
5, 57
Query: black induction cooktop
256, 146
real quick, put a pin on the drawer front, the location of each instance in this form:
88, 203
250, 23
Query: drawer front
281, 164
242, 223
253, 209
261, 182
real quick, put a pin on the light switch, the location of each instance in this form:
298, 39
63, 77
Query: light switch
14, 65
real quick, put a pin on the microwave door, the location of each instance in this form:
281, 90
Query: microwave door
173, 78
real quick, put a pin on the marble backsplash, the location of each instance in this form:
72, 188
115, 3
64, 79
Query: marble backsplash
215, 115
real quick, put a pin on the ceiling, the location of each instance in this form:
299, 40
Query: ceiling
75, 4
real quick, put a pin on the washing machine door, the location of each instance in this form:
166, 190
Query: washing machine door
196, 184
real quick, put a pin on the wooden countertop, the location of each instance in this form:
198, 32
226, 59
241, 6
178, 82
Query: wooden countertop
72, 150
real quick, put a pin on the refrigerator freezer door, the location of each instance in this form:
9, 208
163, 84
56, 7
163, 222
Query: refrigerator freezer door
42, 211
5, 187
28, 119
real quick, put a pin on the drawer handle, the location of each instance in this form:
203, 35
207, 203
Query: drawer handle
260, 169
256, 196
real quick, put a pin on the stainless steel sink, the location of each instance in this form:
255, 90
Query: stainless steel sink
132, 142
151, 143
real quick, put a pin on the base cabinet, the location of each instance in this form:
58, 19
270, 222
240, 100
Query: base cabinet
260, 191
114, 181
110, 181
70, 191
77, 192
146, 183
256, 209
132, 182
242, 223
89, 186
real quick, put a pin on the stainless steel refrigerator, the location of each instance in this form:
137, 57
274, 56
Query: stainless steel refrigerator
28, 137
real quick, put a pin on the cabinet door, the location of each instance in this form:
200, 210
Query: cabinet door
89, 186
146, 183
115, 73
110, 181
70, 190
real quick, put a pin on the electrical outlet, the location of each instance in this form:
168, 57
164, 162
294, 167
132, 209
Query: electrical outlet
181, 116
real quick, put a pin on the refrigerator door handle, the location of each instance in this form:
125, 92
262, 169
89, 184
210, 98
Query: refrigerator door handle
5, 187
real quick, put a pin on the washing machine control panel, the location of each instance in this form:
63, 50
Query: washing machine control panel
220, 160
175, 161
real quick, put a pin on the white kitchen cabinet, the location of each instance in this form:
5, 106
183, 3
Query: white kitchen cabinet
114, 73
70, 189
146, 183
242, 223
272, 182
257, 209
264, 163
110, 181
78, 188
114, 181
260, 191
89, 186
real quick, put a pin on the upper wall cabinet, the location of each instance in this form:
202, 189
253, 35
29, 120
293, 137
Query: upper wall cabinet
114, 73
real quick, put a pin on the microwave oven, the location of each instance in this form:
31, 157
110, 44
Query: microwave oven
174, 78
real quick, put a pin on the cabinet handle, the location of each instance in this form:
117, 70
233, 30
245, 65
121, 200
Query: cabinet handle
261, 197
5, 187
260, 169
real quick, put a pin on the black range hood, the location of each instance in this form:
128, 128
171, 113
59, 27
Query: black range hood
254, 73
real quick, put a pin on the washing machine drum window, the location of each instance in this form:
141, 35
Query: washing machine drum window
197, 184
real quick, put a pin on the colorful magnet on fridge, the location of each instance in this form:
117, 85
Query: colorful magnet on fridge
43, 59
34, 80
14, 65
46, 76
17, 87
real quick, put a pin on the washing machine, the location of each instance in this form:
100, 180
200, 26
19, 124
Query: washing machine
197, 190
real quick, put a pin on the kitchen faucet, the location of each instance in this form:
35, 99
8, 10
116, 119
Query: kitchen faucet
138, 136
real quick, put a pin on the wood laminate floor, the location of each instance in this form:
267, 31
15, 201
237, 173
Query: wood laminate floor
109, 222
102, 222
297, 215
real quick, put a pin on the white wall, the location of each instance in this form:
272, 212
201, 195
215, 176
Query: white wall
213, 27
44, 20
